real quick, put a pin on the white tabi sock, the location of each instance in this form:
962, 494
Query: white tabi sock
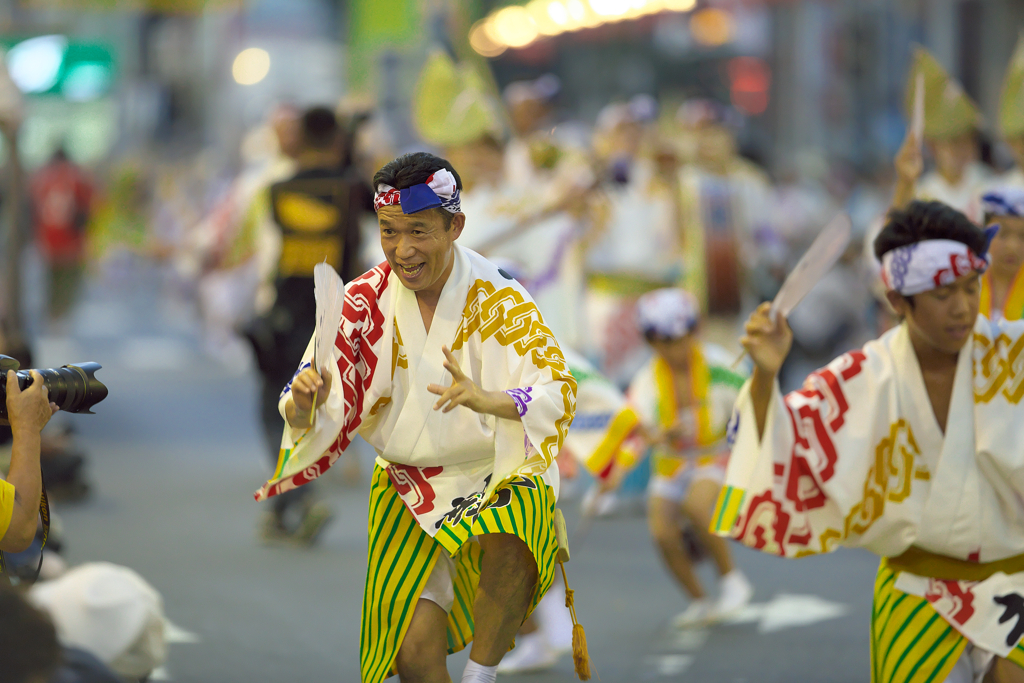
478, 673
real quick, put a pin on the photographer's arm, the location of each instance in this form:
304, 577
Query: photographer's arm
28, 412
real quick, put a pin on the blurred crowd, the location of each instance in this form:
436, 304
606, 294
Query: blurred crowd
588, 215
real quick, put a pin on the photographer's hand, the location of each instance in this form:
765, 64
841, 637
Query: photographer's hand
307, 384
28, 410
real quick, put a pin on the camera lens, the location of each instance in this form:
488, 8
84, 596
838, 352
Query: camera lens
74, 387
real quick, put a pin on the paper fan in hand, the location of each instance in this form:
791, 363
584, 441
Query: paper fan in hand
330, 300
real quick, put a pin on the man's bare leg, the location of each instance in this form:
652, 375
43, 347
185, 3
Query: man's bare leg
1004, 671
422, 656
663, 522
508, 577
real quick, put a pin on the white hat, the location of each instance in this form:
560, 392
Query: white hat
669, 312
109, 611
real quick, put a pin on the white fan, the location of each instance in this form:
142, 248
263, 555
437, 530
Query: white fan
329, 291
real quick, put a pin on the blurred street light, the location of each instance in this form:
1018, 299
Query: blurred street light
712, 27
251, 66
35, 63
611, 8
515, 27
480, 40
550, 17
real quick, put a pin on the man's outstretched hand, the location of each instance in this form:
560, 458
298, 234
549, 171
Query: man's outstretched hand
465, 392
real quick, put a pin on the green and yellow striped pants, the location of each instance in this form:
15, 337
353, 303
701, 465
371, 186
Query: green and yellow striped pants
401, 556
910, 641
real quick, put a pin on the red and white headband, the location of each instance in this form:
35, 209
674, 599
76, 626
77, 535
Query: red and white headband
928, 265
441, 191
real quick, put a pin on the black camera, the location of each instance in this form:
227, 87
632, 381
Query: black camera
74, 388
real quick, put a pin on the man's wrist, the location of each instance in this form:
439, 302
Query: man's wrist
763, 377
24, 432
294, 416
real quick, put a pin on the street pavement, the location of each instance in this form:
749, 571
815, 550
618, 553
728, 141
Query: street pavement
176, 453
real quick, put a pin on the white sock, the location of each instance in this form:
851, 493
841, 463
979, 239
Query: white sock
478, 673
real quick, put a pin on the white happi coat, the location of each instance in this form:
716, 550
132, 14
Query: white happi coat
856, 458
964, 196
386, 359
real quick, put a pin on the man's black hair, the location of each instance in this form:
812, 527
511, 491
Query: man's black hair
28, 641
320, 128
921, 221
414, 169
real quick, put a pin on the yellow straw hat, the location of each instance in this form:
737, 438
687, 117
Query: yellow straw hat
948, 111
1011, 105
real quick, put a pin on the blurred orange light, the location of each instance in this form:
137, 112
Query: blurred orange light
482, 42
514, 26
712, 27
558, 13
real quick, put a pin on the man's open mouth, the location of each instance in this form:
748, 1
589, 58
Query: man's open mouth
411, 271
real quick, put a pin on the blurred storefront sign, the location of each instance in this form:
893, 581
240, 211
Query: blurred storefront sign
68, 84
54, 65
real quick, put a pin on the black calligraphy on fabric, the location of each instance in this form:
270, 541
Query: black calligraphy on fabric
471, 505
1013, 605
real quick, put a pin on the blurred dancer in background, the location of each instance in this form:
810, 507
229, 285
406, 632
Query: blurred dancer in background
62, 197
637, 246
222, 251
951, 122
683, 398
1011, 116
316, 213
723, 201
1002, 285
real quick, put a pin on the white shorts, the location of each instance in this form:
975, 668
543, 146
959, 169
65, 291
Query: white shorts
972, 666
677, 487
440, 588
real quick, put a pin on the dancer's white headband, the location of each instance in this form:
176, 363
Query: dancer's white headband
930, 264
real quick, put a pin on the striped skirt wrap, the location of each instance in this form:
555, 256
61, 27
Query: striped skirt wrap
401, 556
910, 641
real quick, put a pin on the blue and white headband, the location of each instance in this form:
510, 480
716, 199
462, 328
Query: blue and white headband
441, 191
1004, 201
930, 264
669, 313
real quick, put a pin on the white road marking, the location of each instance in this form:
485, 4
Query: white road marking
688, 640
788, 611
176, 634
670, 665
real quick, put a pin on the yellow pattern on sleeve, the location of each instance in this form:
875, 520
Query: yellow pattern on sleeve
6, 505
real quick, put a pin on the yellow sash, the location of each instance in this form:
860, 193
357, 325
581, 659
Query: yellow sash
664, 462
1013, 307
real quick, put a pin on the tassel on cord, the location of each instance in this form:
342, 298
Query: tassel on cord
580, 656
